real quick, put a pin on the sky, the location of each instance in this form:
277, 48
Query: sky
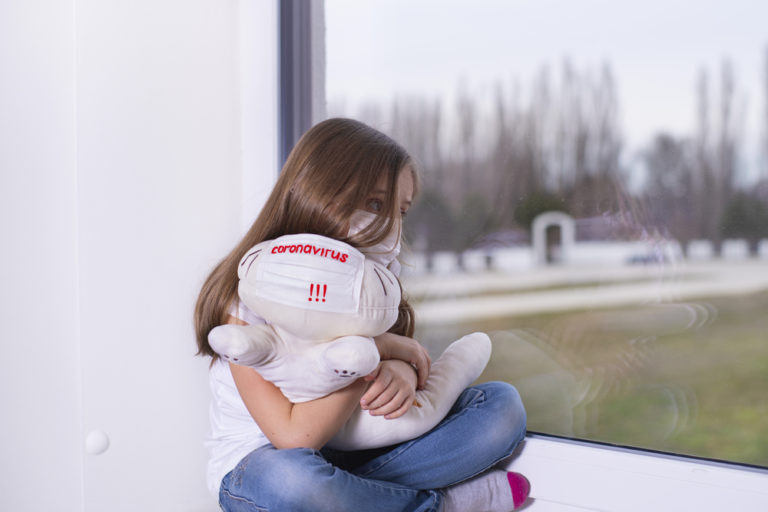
376, 49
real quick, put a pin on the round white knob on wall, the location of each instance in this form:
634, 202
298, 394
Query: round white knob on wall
96, 442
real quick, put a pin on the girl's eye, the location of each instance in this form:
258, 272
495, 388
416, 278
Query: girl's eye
375, 205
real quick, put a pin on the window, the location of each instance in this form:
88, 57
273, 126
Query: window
594, 196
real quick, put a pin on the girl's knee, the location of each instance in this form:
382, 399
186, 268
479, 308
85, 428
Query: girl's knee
507, 405
503, 395
294, 471
272, 479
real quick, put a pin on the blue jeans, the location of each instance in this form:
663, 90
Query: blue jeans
484, 426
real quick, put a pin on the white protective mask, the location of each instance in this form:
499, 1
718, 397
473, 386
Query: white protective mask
384, 252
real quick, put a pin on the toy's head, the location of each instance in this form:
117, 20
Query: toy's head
318, 288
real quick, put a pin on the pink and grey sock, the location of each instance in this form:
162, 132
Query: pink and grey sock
493, 491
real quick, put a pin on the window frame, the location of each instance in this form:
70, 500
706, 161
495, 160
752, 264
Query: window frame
302, 69
570, 475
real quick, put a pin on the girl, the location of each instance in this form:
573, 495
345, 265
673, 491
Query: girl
266, 452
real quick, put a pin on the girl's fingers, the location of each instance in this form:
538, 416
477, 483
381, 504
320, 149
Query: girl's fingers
382, 401
423, 365
379, 385
396, 404
399, 412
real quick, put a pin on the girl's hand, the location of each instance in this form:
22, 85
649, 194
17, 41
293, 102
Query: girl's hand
394, 346
393, 390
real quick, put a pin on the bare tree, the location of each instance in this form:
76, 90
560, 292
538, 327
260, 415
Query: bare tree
608, 144
588, 145
465, 157
504, 186
765, 118
416, 123
669, 176
717, 141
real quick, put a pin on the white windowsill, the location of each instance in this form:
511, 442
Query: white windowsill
576, 476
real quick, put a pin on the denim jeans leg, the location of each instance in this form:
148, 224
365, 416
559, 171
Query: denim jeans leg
301, 480
484, 426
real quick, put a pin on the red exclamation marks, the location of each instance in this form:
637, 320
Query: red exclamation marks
314, 292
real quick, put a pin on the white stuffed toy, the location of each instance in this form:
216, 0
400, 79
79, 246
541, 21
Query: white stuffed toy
323, 301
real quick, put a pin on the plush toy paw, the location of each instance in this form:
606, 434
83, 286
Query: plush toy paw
247, 345
351, 357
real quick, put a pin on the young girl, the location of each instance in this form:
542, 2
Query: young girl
268, 453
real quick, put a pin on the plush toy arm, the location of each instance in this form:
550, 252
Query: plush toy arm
459, 365
319, 370
247, 345
350, 357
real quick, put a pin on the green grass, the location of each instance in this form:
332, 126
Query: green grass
686, 378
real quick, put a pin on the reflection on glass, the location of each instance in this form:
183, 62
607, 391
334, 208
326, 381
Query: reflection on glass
624, 286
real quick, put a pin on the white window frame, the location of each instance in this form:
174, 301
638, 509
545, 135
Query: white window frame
570, 475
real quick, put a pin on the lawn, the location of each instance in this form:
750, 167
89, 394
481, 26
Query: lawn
688, 378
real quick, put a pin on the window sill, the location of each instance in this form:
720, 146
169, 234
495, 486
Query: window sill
576, 476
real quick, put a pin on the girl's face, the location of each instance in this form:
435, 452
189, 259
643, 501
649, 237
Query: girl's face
375, 202
385, 251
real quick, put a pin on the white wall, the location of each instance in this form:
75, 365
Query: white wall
126, 158
39, 382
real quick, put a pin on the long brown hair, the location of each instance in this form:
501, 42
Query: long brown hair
333, 167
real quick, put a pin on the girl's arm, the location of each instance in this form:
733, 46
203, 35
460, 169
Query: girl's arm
287, 425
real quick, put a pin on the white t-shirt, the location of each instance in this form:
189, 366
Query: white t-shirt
234, 433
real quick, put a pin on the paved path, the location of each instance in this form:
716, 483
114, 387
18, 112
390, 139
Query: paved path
466, 297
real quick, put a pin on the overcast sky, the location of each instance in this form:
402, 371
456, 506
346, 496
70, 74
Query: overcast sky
656, 48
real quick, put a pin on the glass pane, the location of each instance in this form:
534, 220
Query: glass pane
594, 196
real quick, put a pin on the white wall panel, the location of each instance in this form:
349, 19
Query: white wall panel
159, 197
39, 384
122, 154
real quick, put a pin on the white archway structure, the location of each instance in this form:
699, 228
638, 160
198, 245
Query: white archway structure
539, 230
